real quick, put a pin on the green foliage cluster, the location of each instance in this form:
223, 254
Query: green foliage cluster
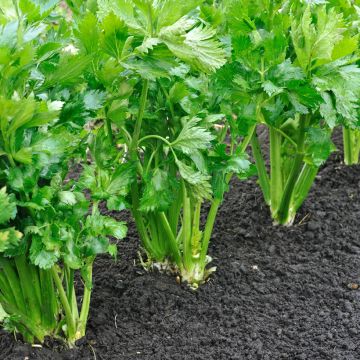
154, 61
292, 69
47, 233
155, 102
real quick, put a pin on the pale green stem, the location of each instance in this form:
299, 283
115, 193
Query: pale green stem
71, 326
276, 181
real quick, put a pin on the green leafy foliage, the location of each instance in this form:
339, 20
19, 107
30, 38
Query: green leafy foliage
197, 46
319, 146
45, 220
154, 63
223, 164
291, 69
314, 43
8, 206
166, 29
9, 237
198, 181
159, 192
192, 137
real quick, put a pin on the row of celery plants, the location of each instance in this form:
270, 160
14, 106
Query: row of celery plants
163, 98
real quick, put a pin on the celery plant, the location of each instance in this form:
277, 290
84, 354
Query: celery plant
351, 131
293, 71
46, 233
153, 60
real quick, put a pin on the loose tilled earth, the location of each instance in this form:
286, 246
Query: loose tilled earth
278, 293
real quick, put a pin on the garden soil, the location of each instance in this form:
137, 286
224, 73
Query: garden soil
278, 292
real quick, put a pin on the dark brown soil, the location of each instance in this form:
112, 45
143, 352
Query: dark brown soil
279, 293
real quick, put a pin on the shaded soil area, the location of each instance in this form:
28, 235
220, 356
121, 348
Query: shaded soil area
278, 293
